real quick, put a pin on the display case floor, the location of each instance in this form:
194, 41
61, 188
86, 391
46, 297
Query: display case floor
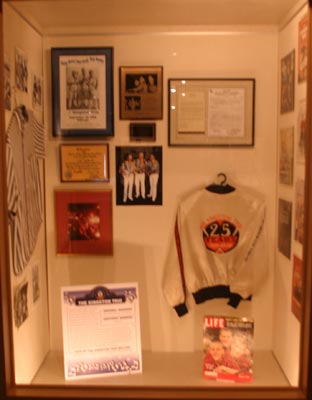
165, 369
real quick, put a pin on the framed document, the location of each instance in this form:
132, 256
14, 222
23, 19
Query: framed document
82, 88
84, 222
141, 92
84, 162
211, 112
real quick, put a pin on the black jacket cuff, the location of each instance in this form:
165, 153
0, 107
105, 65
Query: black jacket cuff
181, 309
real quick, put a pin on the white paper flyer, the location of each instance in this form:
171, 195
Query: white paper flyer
101, 330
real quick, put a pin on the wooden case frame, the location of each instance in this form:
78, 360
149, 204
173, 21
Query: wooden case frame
9, 390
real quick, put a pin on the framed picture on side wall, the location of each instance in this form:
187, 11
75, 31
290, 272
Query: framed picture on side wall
288, 82
82, 88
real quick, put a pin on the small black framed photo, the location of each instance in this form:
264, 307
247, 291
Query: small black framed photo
143, 132
82, 92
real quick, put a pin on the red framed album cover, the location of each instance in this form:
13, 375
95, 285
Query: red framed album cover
84, 222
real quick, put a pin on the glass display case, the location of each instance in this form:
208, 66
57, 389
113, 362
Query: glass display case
87, 209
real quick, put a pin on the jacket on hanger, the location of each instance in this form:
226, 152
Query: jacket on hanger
210, 254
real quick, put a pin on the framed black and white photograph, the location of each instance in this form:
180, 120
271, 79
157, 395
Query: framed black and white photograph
211, 112
7, 84
82, 87
139, 175
37, 91
21, 70
141, 92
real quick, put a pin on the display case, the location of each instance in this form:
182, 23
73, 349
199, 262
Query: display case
227, 90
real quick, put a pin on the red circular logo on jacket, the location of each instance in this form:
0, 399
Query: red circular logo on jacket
220, 236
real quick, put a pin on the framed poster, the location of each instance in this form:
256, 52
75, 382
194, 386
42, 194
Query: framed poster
286, 156
297, 292
299, 211
211, 112
139, 175
288, 83
7, 83
284, 227
302, 131
141, 92
21, 70
84, 222
84, 162
303, 28
82, 89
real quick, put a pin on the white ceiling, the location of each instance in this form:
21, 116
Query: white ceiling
47, 15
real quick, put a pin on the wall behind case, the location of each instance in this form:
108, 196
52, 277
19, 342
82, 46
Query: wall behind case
142, 233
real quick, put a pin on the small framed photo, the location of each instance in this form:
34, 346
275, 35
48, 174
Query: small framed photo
21, 70
84, 162
141, 92
286, 156
284, 227
143, 132
139, 175
82, 88
288, 82
84, 222
211, 112
297, 288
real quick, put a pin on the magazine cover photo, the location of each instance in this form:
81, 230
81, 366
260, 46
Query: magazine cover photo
228, 348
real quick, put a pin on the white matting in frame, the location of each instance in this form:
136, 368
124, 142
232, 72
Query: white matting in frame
211, 112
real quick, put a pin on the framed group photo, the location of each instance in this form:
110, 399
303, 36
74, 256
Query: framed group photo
84, 221
211, 112
141, 92
82, 89
139, 175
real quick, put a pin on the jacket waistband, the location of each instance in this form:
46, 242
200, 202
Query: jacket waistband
212, 292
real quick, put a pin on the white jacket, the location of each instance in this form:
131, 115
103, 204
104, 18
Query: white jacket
209, 257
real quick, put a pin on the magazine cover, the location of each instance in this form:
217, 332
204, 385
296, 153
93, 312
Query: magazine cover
228, 348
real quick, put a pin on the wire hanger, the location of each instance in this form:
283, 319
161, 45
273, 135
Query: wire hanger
222, 187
